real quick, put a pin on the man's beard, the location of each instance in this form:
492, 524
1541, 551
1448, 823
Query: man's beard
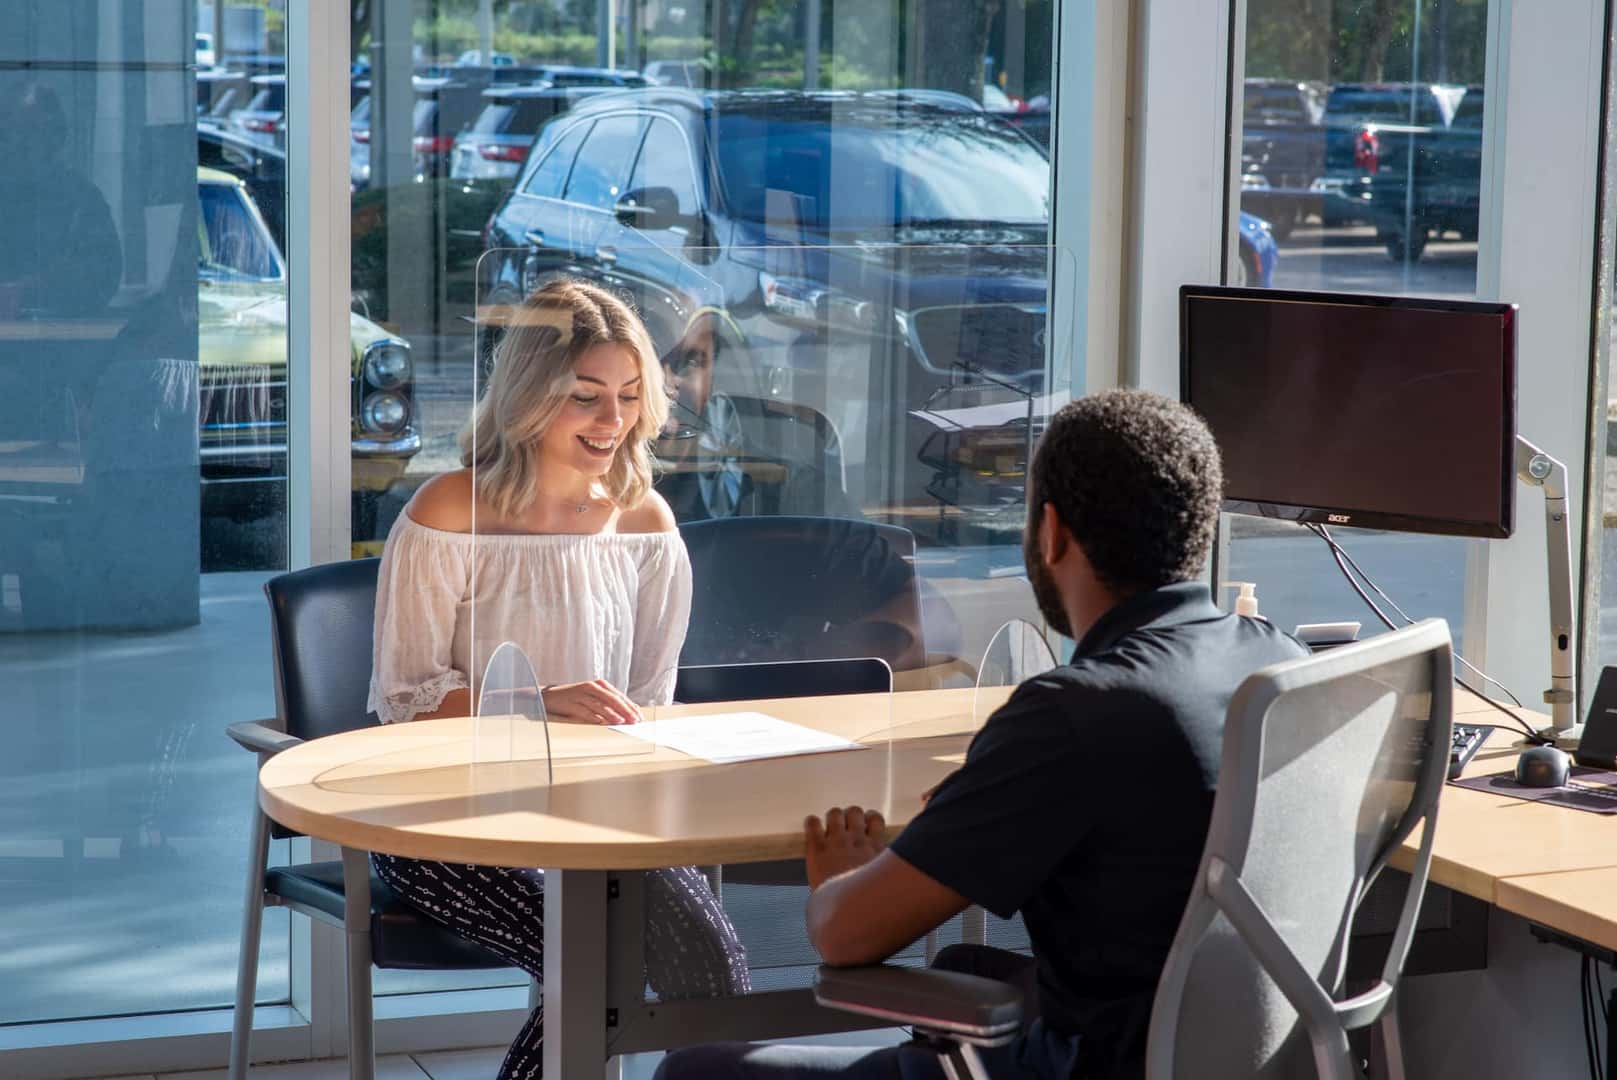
1045, 593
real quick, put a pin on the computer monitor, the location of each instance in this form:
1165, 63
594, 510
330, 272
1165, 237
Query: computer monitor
1370, 411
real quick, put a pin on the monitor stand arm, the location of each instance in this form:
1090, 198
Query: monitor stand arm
1534, 466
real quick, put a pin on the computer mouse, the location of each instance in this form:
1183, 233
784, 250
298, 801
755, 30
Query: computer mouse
1543, 766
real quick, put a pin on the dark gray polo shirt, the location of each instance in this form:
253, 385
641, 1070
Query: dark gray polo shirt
1084, 803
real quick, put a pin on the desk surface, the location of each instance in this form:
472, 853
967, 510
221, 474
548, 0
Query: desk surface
411, 789
1484, 840
1582, 903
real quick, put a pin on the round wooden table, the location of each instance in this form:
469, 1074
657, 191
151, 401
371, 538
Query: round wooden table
432, 790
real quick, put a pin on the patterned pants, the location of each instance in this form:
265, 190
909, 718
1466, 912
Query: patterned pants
691, 949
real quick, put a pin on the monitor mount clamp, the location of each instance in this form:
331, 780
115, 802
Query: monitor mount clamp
1535, 467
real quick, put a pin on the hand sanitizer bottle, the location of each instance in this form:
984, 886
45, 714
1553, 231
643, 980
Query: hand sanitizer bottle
1246, 602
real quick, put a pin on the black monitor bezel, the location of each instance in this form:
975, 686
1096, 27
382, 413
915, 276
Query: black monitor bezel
1358, 517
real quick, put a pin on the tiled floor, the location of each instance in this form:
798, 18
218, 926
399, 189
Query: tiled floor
469, 1064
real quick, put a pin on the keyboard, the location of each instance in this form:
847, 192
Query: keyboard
1468, 739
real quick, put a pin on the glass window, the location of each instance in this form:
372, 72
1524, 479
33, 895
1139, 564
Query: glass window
1378, 193
550, 178
597, 178
143, 390
665, 162
856, 324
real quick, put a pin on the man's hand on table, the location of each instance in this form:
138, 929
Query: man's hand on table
846, 840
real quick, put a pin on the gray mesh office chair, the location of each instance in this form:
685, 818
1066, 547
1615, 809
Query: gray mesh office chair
1329, 764
321, 624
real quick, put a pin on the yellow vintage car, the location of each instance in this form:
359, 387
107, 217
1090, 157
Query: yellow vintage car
242, 348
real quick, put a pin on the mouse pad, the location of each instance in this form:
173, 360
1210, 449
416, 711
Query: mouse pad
1594, 790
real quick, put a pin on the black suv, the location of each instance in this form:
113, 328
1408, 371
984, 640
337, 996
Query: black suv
835, 282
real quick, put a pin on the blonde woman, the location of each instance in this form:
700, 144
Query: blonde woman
576, 560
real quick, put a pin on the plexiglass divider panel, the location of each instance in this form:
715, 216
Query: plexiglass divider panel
1018, 651
511, 725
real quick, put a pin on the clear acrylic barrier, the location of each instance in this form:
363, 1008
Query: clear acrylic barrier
1017, 652
847, 438
510, 724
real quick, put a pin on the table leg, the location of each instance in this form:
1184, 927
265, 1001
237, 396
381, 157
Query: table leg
575, 972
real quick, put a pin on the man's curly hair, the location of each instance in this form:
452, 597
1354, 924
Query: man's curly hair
1136, 478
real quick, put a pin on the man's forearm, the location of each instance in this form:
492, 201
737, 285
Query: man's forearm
835, 925
864, 916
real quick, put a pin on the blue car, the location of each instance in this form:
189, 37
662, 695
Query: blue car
1258, 253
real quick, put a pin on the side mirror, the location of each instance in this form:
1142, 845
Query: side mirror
650, 208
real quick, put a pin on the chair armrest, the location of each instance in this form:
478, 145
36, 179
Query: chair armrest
947, 1002
261, 737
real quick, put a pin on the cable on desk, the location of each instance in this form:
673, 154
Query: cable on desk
1344, 561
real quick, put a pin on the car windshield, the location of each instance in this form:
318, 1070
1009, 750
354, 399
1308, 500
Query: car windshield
1275, 105
271, 98
234, 243
521, 116
916, 168
1387, 106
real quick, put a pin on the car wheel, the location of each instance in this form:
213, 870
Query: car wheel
722, 481
1406, 246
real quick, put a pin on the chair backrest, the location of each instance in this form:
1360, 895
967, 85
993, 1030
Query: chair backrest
1329, 763
802, 588
321, 622
784, 679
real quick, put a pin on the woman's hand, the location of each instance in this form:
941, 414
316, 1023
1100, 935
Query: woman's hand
593, 702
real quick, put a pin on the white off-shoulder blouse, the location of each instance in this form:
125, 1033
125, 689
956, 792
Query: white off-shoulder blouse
610, 606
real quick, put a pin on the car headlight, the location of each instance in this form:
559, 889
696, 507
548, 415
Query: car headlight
808, 301
384, 412
387, 364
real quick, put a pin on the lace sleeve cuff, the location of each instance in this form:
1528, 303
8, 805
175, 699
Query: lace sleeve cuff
403, 705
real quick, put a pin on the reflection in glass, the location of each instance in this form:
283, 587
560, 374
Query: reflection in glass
142, 505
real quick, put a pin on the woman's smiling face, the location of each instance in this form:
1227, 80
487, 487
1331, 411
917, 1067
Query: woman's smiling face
600, 413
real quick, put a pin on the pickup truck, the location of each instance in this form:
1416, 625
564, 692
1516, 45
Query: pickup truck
1429, 181
1411, 165
1282, 152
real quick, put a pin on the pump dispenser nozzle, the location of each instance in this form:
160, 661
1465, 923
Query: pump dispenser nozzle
1246, 603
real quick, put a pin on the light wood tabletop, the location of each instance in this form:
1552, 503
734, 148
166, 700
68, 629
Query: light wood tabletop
442, 789
1483, 839
1582, 903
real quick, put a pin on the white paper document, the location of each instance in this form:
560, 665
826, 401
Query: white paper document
740, 736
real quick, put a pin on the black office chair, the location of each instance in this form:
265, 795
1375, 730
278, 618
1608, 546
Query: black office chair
707, 683
802, 588
321, 626
703, 683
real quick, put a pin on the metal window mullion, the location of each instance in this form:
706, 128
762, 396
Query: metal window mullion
318, 363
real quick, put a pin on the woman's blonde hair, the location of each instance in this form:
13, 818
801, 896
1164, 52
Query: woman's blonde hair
533, 372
